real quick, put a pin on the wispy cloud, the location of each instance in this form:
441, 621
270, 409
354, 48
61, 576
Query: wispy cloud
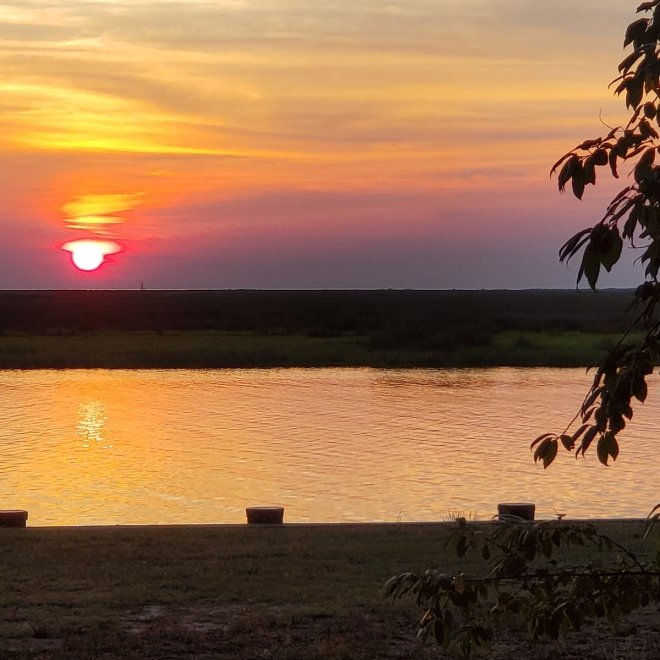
199, 102
244, 77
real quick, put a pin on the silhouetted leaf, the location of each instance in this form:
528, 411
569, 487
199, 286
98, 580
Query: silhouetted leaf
543, 436
645, 129
546, 452
566, 172
635, 93
613, 447
643, 167
631, 223
568, 441
594, 394
588, 172
613, 164
560, 161
600, 157
587, 439
635, 30
590, 267
588, 144
578, 433
628, 411
609, 258
628, 61
622, 85
617, 423
573, 244
578, 180
640, 389
607, 446
651, 520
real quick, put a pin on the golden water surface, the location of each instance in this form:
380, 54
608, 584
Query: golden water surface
198, 446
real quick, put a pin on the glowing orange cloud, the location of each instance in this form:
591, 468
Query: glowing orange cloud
96, 212
101, 204
91, 213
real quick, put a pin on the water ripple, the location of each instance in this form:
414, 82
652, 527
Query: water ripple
86, 447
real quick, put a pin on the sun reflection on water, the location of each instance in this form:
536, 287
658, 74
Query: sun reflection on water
92, 418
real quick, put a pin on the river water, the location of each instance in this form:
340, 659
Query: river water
198, 446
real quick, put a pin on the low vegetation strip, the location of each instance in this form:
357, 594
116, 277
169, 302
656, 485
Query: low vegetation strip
292, 591
386, 315
213, 329
214, 349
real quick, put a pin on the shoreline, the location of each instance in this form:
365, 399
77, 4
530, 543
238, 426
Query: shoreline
346, 526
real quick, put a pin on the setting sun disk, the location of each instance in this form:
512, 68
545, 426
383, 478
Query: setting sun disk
88, 255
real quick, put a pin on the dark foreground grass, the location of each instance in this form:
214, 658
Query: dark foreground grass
245, 592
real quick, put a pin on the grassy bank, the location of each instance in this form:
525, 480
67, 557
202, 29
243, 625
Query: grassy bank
173, 329
213, 349
241, 592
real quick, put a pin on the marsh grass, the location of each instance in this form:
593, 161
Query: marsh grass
209, 329
560, 349
295, 591
215, 349
172, 350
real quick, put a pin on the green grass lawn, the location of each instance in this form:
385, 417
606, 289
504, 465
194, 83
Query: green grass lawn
295, 591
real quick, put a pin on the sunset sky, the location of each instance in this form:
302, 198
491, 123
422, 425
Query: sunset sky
301, 144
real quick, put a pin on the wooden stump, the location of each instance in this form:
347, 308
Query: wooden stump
265, 515
13, 518
515, 511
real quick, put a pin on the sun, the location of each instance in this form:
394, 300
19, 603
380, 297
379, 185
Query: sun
88, 255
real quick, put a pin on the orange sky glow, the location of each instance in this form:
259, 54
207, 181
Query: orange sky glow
290, 144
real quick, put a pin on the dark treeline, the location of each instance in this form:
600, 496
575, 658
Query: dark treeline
386, 316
